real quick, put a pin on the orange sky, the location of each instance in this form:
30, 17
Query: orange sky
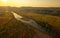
34, 3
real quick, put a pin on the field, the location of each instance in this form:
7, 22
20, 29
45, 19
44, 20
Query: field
17, 29
50, 19
12, 28
5, 17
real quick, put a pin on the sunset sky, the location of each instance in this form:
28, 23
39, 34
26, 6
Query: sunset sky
33, 3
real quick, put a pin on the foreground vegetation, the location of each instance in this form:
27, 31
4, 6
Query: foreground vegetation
4, 17
17, 29
12, 28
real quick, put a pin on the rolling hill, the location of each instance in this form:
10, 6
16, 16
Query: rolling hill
12, 28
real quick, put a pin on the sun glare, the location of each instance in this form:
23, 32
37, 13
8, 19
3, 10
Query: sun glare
4, 0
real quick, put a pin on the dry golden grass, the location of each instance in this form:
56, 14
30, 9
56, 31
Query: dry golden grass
52, 20
5, 18
17, 29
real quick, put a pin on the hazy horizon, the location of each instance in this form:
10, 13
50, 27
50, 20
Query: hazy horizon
30, 3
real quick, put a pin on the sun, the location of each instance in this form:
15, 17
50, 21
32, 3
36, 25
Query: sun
4, 0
